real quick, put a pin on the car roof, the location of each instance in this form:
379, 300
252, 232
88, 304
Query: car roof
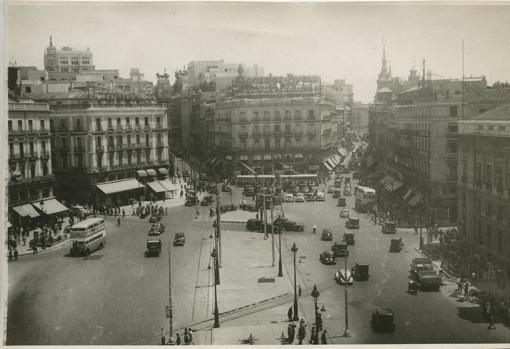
153, 240
179, 234
384, 311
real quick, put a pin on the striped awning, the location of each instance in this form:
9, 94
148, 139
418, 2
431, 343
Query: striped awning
156, 187
141, 173
330, 166
342, 151
407, 194
168, 185
119, 186
267, 156
26, 210
257, 157
299, 156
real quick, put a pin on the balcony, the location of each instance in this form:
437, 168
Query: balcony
120, 146
128, 127
138, 128
256, 134
110, 128
16, 156
147, 128
111, 147
243, 135
99, 149
16, 132
44, 155
119, 127
44, 131
99, 129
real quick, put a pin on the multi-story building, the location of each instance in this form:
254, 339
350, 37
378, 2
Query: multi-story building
484, 185
108, 145
268, 127
30, 179
221, 73
65, 63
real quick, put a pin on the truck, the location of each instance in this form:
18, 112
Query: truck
420, 264
360, 272
429, 280
340, 249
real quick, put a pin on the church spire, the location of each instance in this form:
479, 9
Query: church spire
385, 73
51, 41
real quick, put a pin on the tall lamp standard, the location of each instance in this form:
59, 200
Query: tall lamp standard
214, 254
294, 249
315, 295
280, 229
346, 332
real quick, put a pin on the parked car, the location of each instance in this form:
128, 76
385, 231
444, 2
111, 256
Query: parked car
344, 213
389, 228
320, 196
156, 229
352, 223
344, 276
249, 191
289, 197
328, 257
310, 197
327, 235
292, 226
383, 320
341, 202
226, 188
340, 249
179, 239
80, 211
300, 197
337, 193
396, 245
347, 192
349, 238
253, 224
154, 218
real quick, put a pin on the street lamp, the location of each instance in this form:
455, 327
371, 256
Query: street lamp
280, 229
294, 249
214, 254
315, 295
346, 332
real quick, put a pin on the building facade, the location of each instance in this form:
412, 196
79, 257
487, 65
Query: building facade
96, 143
66, 62
484, 185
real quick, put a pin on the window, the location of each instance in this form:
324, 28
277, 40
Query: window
453, 111
119, 141
243, 145
20, 125
28, 89
297, 115
146, 121
243, 131
110, 142
32, 170
78, 125
128, 122
288, 143
98, 124
110, 123
42, 125
311, 115
31, 148
266, 130
148, 155
44, 168
75, 60
256, 116
287, 115
277, 129
242, 116
277, 143
158, 121
147, 140
287, 129
9, 125
267, 144
266, 116
98, 142
11, 149
137, 139
277, 115
129, 140
43, 146
256, 144
256, 130
137, 121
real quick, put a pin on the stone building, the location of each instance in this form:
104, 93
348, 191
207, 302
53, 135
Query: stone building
484, 185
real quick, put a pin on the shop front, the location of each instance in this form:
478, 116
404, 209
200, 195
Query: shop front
120, 192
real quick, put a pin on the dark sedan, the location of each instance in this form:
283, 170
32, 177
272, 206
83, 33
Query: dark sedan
328, 257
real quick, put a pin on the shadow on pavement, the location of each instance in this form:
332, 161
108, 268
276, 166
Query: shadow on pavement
472, 314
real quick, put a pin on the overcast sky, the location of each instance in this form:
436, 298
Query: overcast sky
341, 40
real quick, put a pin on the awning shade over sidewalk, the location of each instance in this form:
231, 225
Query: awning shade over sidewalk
168, 185
26, 210
119, 186
151, 172
416, 199
163, 171
141, 173
156, 187
50, 206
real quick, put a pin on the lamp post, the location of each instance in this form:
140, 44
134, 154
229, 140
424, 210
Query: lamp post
346, 332
294, 249
214, 254
315, 294
280, 271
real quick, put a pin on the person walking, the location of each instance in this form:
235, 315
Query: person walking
15, 254
178, 339
314, 228
301, 334
118, 221
466, 288
492, 323
324, 338
290, 313
291, 332
190, 334
186, 337
163, 336
10, 254
123, 213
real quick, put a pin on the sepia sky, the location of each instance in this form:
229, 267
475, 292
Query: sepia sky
333, 40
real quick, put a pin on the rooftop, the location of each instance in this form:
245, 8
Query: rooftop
499, 113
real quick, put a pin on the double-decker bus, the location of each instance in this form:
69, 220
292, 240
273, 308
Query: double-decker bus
88, 236
365, 198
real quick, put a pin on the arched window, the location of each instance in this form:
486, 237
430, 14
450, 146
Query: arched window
243, 145
267, 144
287, 143
256, 144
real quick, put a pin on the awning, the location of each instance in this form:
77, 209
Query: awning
228, 157
257, 157
243, 157
313, 167
163, 171
407, 194
156, 187
9, 224
151, 172
342, 151
417, 198
397, 184
119, 186
267, 156
50, 206
168, 185
299, 156
328, 165
141, 173
385, 180
26, 210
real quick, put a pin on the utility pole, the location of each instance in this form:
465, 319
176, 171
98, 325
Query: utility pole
346, 332
264, 212
272, 228
218, 225
170, 309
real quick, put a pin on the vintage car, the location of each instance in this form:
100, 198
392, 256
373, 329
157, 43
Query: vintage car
396, 245
344, 276
226, 188
352, 223
320, 196
337, 193
154, 218
179, 239
347, 192
157, 228
389, 228
327, 235
300, 197
289, 197
382, 320
341, 202
340, 249
253, 224
328, 257
80, 211
292, 226
412, 287
153, 248
249, 191
349, 238
360, 272
310, 197
344, 213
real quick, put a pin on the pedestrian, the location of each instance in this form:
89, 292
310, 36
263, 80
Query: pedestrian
186, 337
163, 335
10, 254
15, 254
166, 211
324, 338
301, 334
118, 221
190, 334
291, 332
314, 228
178, 339
466, 288
300, 290
123, 213
289, 313
24, 240
35, 248
312, 336
492, 324
319, 322
459, 286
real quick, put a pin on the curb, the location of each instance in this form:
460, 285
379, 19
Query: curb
29, 252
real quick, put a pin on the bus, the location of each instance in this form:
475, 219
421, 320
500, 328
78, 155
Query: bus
365, 198
299, 180
87, 236
253, 180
